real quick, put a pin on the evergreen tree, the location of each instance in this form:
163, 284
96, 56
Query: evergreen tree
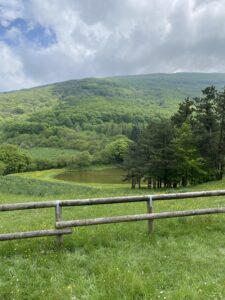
189, 163
220, 113
206, 129
135, 133
161, 166
188, 149
153, 157
184, 112
133, 164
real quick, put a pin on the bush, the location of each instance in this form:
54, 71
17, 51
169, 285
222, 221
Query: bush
2, 167
13, 159
82, 160
118, 149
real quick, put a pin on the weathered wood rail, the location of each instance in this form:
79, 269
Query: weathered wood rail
64, 226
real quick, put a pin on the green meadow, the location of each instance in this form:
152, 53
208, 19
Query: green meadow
50, 154
81, 124
183, 259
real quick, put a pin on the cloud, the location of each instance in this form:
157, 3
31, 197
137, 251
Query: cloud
103, 38
9, 11
11, 71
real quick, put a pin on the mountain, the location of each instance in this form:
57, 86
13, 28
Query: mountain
158, 91
86, 114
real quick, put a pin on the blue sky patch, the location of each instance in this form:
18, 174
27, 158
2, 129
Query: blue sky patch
19, 30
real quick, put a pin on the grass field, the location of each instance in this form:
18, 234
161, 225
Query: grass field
183, 259
51, 154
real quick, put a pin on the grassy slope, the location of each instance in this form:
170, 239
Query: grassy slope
183, 259
51, 154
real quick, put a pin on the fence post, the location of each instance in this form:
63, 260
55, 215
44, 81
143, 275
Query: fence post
58, 218
150, 211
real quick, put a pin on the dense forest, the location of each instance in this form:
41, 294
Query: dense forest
95, 121
186, 149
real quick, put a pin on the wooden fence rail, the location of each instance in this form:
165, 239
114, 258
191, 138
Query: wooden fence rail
141, 217
64, 226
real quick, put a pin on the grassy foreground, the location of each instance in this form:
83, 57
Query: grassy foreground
183, 259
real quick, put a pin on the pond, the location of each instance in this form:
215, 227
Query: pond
109, 175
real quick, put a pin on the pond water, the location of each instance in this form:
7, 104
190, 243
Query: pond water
109, 175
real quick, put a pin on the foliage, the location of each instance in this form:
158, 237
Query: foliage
118, 149
90, 114
189, 162
12, 129
2, 168
82, 160
184, 113
86, 115
187, 149
153, 157
44, 158
12, 159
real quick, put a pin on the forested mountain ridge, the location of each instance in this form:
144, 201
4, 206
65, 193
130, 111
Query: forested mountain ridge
90, 115
163, 91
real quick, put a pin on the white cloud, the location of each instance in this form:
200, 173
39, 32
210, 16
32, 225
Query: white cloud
10, 10
100, 38
11, 71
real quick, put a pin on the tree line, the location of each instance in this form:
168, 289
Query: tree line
188, 148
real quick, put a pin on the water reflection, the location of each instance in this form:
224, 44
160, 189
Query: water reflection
110, 175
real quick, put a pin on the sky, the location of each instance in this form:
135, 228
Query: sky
45, 41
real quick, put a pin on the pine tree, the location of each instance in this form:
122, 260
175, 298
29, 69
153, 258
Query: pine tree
189, 163
220, 111
184, 112
206, 129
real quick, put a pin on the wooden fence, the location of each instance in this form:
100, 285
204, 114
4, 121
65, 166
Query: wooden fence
64, 226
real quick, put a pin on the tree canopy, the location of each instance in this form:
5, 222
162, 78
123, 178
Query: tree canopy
12, 160
189, 148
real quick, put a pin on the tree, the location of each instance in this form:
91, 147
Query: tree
206, 129
184, 112
153, 157
220, 114
161, 165
118, 149
189, 163
190, 148
2, 168
82, 160
134, 164
14, 159
135, 133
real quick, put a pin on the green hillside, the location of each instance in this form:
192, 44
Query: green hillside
156, 90
88, 114
81, 121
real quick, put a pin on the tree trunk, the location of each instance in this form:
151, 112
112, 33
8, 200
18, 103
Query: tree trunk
139, 182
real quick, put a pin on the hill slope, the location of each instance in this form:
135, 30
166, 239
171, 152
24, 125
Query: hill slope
163, 90
86, 114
